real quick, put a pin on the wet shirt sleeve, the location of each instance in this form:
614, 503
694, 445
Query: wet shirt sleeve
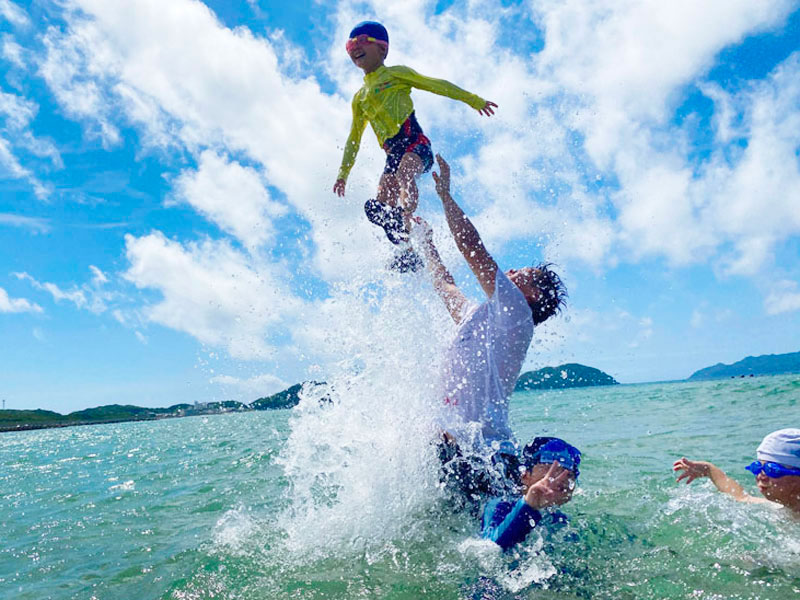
353, 140
506, 523
511, 330
437, 86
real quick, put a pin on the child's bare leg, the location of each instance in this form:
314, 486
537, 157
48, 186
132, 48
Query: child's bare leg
410, 168
388, 190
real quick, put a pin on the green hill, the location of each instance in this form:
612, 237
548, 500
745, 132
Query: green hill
766, 364
569, 375
11, 419
285, 399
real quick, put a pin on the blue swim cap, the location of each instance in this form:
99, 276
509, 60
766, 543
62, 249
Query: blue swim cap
372, 29
544, 450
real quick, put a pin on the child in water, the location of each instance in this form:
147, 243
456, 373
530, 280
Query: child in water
777, 472
385, 101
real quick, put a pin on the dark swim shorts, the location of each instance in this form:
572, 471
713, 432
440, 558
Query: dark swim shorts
409, 139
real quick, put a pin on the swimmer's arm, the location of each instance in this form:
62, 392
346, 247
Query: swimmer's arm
464, 233
695, 469
505, 527
353, 142
443, 281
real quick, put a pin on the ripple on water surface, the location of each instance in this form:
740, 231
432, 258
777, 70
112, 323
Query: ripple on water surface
194, 509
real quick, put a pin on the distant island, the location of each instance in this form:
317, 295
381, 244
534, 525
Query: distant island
767, 364
564, 376
19, 420
569, 375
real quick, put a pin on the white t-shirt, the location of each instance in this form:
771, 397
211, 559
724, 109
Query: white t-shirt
482, 364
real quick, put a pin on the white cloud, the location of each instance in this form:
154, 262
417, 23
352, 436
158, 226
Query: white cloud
14, 168
627, 59
212, 292
187, 81
232, 196
16, 114
784, 297
35, 225
16, 305
598, 101
13, 13
90, 296
13, 52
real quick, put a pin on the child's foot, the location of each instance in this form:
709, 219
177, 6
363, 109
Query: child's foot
405, 261
388, 217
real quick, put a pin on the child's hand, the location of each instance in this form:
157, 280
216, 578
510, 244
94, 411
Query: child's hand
554, 489
692, 469
487, 109
338, 187
442, 179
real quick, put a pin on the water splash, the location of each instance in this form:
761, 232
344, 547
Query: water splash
359, 458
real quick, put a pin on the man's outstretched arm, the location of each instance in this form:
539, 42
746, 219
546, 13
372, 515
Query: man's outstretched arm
443, 281
467, 238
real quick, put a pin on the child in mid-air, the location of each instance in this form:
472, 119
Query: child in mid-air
385, 101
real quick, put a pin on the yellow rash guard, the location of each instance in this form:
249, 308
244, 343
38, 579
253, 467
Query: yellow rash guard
385, 101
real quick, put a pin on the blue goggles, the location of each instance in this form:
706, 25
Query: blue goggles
771, 469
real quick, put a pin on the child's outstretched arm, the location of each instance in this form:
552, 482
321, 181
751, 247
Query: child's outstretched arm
695, 469
444, 88
351, 147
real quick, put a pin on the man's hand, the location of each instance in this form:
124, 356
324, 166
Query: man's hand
421, 230
487, 109
554, 489
692, 469
338, 187
442, 179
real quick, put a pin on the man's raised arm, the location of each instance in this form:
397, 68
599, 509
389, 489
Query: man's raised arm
467, 238
443, 281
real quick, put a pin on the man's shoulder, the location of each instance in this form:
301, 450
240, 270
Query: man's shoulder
509, 301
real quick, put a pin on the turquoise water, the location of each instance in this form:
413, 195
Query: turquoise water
340, 501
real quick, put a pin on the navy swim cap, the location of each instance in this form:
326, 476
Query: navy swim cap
372, 29
547, 449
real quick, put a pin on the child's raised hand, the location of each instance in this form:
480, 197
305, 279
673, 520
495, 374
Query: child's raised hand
692, 469
338, 187
487, 109
554, 489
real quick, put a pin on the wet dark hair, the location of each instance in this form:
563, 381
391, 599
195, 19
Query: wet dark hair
553, 297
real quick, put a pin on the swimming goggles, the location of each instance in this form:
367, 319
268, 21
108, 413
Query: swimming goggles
771, 469
360, 40
545, 450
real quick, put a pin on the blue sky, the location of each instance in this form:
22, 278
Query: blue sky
167, 231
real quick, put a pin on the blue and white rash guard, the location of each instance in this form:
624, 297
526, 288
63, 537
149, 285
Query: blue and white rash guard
508, 523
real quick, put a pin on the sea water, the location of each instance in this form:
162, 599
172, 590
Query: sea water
338, 499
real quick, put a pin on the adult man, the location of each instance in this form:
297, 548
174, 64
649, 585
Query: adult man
482, 364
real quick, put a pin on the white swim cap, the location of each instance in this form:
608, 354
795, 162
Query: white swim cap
782, 446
